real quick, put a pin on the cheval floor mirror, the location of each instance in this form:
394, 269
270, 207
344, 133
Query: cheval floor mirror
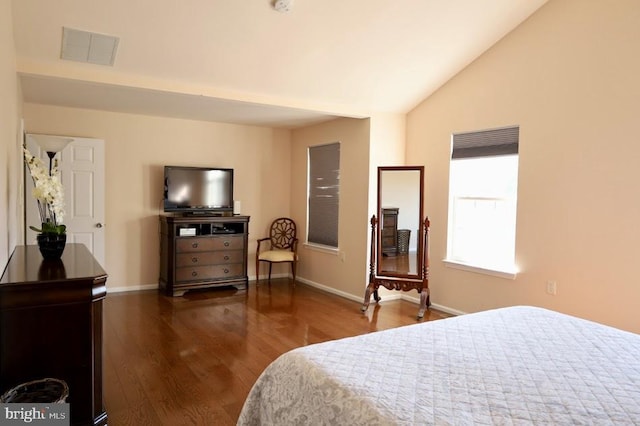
399, 257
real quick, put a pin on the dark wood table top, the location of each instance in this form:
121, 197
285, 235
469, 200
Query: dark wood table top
30, 280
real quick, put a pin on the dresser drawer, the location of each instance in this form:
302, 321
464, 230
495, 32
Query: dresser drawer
388, 242
190, 244
388, 232
226, 242
209, 258
209, 272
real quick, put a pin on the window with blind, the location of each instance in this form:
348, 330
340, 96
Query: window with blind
483, 189
323, 194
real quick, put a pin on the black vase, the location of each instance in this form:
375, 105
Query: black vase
51, 245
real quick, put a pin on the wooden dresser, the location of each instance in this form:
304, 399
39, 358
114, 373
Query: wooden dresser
200, 252
51, 326
389, 231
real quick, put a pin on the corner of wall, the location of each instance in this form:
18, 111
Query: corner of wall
10, 107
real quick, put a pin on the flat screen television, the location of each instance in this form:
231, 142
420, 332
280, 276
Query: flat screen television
198, 190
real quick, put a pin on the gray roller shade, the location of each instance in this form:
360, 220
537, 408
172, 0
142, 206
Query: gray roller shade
324, 194
486, 143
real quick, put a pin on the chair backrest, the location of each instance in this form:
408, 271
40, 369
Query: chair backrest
283, 233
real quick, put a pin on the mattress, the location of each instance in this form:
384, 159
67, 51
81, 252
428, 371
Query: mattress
510, 366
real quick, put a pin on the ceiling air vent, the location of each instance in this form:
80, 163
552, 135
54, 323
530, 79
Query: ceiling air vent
83, 46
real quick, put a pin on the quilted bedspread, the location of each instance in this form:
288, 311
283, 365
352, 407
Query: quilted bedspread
510, 366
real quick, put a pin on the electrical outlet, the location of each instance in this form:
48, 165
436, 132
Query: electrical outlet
552, 287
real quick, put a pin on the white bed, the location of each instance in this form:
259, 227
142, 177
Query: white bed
519, 365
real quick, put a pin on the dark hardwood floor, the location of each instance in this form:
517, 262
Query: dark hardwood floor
192, 360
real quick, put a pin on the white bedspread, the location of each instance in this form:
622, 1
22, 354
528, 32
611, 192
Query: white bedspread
519, 365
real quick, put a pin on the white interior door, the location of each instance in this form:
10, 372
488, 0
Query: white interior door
81, 166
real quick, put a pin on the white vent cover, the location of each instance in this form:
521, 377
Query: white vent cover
83, 46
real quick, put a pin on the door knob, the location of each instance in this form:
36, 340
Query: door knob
98, 225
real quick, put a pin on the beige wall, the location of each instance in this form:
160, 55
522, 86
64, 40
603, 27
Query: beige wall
345, 272
387, 148
10, 138
137, 147
569, 76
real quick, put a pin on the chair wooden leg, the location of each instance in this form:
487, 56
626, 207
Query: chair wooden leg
270, 264
257, 272
293, 272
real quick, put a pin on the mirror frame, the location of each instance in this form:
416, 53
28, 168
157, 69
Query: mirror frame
420, 258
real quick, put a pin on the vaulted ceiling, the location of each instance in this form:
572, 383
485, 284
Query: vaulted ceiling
241, 61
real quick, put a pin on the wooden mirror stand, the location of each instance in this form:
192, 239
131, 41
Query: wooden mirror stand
396, 261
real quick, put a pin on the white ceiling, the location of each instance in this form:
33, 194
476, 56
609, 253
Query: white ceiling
241, 61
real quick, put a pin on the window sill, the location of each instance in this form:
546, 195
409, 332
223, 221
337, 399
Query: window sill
321, 248
508, 273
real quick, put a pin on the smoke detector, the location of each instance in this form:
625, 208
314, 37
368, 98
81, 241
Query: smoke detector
283, 5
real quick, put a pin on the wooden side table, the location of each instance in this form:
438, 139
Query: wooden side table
51, 326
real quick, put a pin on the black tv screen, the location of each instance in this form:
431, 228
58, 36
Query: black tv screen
198, 189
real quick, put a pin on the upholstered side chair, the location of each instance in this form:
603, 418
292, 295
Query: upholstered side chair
279, 247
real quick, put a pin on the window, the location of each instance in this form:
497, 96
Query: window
323, 194
483, 189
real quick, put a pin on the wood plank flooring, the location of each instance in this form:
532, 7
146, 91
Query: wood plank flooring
192, 360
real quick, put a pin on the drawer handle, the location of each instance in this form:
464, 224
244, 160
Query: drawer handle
194, 259
226, 271
194, 245
194, 274
226, 258
226, 243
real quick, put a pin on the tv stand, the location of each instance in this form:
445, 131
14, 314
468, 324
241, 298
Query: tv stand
202, 251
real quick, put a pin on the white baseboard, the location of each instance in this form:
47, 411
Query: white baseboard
397, 296
447, 309
387, 297
131, 288
330, 290
442, 308
273, 277
156, 286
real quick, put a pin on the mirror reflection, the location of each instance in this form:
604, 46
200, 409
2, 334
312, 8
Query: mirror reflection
399, 213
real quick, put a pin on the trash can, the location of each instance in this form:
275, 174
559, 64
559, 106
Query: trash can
37, 391
403, 240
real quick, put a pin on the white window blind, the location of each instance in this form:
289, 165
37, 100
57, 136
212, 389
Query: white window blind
483, 197
323, 194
